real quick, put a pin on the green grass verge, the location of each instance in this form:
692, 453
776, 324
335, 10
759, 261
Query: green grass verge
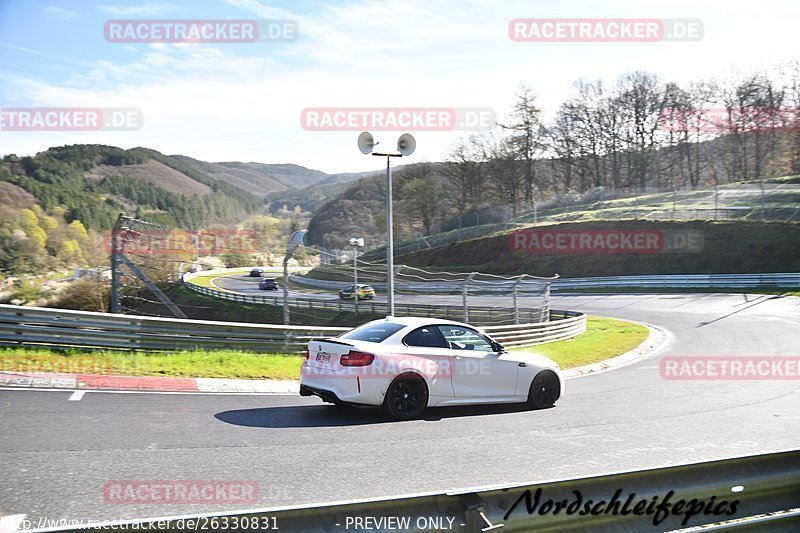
604, 338
216, 364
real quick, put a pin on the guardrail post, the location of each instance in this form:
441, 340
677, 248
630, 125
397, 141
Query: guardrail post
464, 294
516, 303
545, 314
116, 242
286, 290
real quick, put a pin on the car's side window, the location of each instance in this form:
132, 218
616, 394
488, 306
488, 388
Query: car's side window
427, 336
461, 338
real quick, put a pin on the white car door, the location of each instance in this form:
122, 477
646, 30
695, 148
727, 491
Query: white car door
478, 371
428, 352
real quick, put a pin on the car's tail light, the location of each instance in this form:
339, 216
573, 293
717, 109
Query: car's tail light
354, 358
308, 354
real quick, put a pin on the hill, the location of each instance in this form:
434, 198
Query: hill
719, 248
313, 197
267, 179
93, 183
259, 179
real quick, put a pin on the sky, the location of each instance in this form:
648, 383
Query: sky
244, 101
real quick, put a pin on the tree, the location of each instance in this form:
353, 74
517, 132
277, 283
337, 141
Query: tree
526, 131
422, 199
463, 172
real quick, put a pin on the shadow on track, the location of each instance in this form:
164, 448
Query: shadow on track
749, 304
310, 416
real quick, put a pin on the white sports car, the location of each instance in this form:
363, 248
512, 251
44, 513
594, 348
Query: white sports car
407, 364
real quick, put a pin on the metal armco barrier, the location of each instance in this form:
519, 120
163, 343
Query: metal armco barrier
437, 287
714, 492
479, 315
68, 328
731, 281
37, 326
784, 280
562, 325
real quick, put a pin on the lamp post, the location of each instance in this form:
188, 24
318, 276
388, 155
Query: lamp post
356, 242
405, 146
295, 240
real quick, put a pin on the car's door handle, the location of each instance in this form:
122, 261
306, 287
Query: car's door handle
523, 364
456, 357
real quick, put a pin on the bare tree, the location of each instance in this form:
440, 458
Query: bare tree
421, 196
464, 173
526, 127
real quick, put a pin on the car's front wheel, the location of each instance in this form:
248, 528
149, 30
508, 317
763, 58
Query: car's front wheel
545, 390
406, 397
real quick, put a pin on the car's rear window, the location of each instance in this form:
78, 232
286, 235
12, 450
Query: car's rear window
374, 332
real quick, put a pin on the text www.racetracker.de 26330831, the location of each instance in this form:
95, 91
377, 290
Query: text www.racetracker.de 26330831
198, 523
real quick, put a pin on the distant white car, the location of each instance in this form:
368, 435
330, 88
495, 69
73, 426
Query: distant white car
408, 364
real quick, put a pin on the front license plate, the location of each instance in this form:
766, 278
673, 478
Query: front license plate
323, 357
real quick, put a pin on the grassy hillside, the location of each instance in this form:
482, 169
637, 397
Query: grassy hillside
728, 247
258, 178
262, 179
93, 183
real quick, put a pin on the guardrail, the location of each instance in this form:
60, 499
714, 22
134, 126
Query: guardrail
739, 492
475, 287
37, 326
741, 281
562, 325
478, 315
68, 328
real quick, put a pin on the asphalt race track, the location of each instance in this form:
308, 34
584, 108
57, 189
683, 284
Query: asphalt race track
56, 455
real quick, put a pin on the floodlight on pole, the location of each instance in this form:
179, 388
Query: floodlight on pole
406, 145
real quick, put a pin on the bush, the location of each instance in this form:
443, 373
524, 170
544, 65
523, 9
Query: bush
85, 295
26, 292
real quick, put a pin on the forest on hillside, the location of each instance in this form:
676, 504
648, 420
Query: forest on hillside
58, 177
54, 210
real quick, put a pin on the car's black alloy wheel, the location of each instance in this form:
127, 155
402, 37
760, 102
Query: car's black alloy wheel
545, 390
406, 397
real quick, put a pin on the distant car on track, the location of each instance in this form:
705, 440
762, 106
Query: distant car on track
365, 292
256, 273
269, 284
408, 364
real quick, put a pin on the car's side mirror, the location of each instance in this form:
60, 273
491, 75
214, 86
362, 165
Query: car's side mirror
497, 347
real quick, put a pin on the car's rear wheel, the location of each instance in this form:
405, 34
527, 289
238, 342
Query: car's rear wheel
406, 397
545, 390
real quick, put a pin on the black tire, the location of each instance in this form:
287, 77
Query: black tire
407, 397
545, 390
